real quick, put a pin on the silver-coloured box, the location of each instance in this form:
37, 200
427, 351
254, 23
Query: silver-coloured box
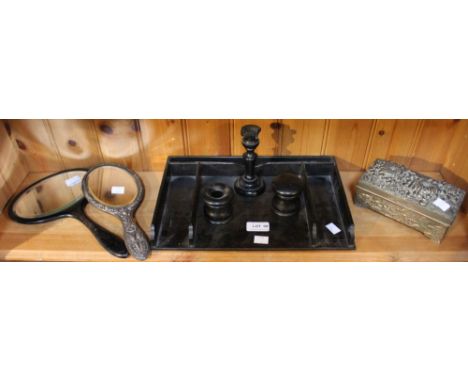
418, 201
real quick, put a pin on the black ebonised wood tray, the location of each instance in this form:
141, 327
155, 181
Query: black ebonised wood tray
180, 223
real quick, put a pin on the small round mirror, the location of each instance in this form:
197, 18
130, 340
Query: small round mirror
112, 186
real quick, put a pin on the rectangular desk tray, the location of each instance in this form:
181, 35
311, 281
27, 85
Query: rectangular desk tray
179, 222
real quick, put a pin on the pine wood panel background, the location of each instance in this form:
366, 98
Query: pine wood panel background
51, 145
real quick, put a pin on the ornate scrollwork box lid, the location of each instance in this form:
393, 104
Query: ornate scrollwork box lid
413, 188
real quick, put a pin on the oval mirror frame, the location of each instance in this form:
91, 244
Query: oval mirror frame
111, 242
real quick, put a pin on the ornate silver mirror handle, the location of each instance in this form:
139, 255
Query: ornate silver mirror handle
135, 239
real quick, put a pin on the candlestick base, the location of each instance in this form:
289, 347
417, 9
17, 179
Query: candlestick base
249, 187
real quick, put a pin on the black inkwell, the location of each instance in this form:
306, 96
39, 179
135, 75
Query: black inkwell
218, 203
288, 189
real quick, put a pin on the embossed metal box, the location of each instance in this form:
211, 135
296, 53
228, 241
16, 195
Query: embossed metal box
420, 202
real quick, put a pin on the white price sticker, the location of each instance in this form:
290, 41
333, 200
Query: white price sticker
258, 227
261, 239
73, 181
333, 228
442, 204
118, 190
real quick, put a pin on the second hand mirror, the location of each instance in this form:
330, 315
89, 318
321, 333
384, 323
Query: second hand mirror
119, 191
59, 196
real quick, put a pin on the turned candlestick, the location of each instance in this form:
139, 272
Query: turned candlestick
250, 184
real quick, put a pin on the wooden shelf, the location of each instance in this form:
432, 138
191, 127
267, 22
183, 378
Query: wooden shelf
377, 237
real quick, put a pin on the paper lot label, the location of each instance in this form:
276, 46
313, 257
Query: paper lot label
258, 227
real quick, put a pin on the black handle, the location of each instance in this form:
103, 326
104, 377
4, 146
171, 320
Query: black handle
111, 242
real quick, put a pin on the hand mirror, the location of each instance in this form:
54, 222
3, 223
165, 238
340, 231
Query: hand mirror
119, 191
60, 196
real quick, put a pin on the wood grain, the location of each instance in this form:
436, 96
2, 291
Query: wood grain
161, 138
76, 142
302, 136
5, 190
406, 133
36, 145
120, 142
270, 136
51, 145
4, 193
348, 140
455, 168
208, 136
381, 139
394, 139
54, 144
377, 238
457, 153
433, 144
12, 169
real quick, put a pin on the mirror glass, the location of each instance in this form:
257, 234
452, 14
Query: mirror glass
50, 196
112, 186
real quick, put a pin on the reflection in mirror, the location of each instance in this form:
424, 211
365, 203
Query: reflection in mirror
50, 196
112, 186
